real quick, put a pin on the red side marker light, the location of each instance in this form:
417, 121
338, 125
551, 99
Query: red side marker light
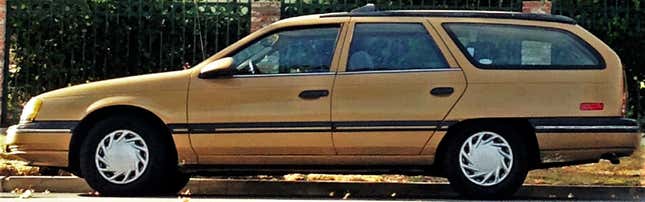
592, 106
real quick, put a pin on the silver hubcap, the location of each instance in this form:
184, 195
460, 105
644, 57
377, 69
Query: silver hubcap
486, 158
121, 156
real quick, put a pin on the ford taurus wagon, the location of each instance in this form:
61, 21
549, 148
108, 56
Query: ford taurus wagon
478, 97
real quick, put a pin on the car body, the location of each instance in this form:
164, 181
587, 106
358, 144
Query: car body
361, 91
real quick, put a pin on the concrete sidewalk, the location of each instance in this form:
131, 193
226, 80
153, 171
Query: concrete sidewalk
258, 188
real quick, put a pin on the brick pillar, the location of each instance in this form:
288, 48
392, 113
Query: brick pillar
541, 7
264, 13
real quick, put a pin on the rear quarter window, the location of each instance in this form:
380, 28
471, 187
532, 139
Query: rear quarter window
500, 46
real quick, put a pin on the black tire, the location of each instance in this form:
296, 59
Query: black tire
159, 177
177, 183
504, 188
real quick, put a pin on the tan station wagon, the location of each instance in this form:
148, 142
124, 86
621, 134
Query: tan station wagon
478, 97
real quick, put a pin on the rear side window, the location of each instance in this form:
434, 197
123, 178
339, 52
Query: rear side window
392, 46
495, 46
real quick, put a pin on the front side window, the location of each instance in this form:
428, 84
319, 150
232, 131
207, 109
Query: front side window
306, 50
496, 46
402, 46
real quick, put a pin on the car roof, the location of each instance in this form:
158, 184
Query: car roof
454, 13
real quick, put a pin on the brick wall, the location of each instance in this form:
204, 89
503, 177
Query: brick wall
542, 7
264, 13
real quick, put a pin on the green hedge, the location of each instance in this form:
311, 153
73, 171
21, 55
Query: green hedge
57, 43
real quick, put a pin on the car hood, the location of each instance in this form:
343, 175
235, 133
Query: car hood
176, 80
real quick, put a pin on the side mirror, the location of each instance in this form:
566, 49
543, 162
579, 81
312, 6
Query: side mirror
219, 68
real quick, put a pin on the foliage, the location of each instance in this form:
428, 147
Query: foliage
57, 43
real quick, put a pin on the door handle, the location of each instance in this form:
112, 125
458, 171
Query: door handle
313, 94
442, 91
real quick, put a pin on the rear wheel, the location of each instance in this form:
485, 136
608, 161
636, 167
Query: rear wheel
486, 162
124, 156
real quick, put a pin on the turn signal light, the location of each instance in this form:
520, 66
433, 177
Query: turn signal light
595, 106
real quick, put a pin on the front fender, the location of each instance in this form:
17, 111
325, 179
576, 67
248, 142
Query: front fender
135, 101
169, 106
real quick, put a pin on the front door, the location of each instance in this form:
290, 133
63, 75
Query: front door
396, 88
277, 103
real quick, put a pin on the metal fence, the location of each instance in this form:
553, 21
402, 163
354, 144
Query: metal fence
57, 43
291, 8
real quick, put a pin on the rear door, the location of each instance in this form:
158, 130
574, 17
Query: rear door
395, 85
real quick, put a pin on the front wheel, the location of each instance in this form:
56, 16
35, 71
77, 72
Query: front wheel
124, 156
486, 162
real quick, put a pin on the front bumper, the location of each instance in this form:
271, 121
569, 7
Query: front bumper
38, 146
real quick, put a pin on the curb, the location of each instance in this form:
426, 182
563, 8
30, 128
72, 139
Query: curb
41, 183
290, 189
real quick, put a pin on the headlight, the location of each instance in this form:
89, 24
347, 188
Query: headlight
30, 111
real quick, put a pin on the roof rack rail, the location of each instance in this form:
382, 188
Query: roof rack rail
370, 7
369, 10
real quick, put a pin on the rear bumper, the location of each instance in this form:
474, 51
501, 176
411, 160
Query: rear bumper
38, 146
564, 140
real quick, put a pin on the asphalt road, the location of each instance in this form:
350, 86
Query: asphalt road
81, 198
528, 194
67, 197
205, 189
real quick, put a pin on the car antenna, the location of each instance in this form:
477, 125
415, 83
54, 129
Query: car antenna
370, 7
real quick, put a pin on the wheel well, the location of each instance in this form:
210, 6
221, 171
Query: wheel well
521, 125
80, 131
